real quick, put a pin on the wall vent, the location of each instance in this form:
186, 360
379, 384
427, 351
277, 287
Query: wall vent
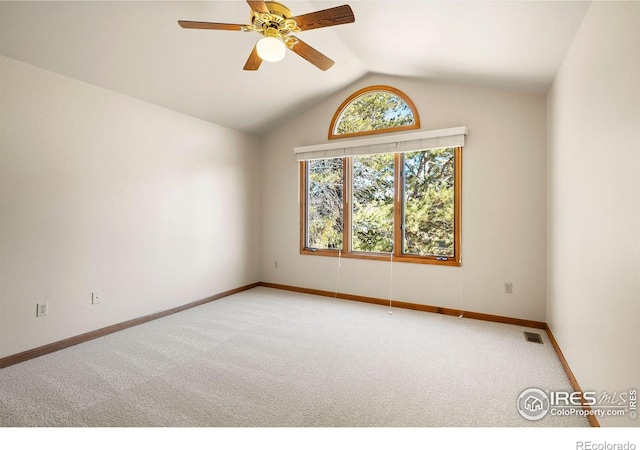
533, 337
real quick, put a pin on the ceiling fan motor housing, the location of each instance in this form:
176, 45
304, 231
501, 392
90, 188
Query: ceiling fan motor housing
279, 9
276, 23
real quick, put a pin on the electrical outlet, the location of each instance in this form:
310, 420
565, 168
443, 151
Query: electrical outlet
42, 309
96, 297
275, 264
508, 287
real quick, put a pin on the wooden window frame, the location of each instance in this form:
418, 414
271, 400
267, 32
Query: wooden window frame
398, 201
364, 91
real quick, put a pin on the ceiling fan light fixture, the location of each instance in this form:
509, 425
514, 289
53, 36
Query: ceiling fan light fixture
271, 49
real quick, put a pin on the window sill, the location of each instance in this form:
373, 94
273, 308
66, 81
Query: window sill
382, 257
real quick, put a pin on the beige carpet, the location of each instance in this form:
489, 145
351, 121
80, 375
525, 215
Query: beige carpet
266, 358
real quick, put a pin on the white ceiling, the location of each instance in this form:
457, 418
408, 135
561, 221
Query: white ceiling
138, 49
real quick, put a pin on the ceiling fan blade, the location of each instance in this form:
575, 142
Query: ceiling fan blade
325, 18
312, 55
254, 61
260, 7
210, 25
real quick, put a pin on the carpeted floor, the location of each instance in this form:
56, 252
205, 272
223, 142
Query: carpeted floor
266, 357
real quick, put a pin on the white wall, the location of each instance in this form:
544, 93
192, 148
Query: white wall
503, 205
593, 305
99, 191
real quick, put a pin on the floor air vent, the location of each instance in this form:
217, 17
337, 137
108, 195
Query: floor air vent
533, 337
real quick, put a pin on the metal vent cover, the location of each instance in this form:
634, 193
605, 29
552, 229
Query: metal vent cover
533, 337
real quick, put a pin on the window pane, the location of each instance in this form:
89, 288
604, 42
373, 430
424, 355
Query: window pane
325, 203
429, 202
372, 217
374, 110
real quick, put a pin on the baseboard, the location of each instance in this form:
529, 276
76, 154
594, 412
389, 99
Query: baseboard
75, 340
414, 306
593, 421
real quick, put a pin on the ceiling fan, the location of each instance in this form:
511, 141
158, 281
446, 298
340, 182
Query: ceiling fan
276, 23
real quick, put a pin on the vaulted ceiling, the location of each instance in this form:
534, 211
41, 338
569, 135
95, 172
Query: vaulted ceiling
138, 49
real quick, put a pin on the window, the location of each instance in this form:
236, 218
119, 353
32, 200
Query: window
372, 188
372, 110
428, 215
383, 196
405, 204
325, 202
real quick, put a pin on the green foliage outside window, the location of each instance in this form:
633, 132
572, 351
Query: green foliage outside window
374, 110
372, 212
429, 202
324, 200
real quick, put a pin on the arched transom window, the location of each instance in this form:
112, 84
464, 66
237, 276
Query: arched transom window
372, 110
